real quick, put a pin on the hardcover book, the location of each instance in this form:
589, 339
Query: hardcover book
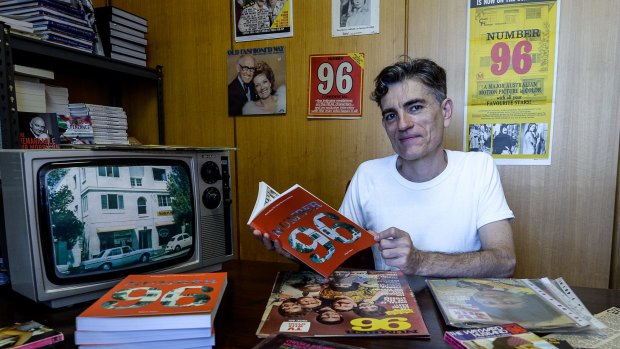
348, 303
38, 130
286, 341
308, 228
501, 336
156, 302
29, 335
528, 302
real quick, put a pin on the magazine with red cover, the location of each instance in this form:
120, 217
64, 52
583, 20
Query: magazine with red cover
348, 303
156, 301
308, 228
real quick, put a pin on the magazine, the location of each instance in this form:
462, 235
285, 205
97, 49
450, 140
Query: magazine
483, 302
348, 303
308, 228
38, 130
501, 336
287, 341
607, 338
28, 335
156, 302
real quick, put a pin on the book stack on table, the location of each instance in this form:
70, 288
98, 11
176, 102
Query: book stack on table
154, 311
53, 20
123, 34
108, 124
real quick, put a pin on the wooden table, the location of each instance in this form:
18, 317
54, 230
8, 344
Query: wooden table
249, 286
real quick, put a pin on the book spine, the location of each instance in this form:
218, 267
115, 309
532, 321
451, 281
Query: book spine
57, 38
70, 30
453, 341
44, 342
128, 15
62, 7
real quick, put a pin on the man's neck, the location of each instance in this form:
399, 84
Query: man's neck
424, 169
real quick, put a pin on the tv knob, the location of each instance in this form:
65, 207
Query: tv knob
211, 198
210, 172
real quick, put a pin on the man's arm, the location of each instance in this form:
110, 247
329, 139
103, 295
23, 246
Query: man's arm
496, 257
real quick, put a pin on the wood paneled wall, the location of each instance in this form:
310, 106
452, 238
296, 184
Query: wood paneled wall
565, 211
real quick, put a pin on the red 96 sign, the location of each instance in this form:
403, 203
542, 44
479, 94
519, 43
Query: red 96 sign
336, 85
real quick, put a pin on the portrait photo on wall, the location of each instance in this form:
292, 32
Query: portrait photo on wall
355, 17
256, 81
533, 140
506, 139
262, 19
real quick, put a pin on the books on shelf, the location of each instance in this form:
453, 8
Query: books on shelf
536, 304
33, 72
501, 336
29, 335
308, 228
286, 341
122, 17
116, 25
348, 303
17, 25
38, 130
29, 95
154, 311
108, 124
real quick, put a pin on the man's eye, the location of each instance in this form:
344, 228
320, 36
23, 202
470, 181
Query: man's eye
415, 107
389, 116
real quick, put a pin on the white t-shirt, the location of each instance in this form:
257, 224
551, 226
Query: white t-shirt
441, 215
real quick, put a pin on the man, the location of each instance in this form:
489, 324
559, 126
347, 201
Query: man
436, 212
38, 129
241, 89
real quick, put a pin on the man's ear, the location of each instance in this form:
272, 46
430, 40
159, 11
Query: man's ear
446, 107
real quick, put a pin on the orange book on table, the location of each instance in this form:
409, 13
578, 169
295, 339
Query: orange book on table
157, 301
308, 228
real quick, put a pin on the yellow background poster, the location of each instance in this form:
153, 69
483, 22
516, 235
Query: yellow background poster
510, 87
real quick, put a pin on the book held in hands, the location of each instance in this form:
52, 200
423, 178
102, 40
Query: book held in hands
355, 303
308, 228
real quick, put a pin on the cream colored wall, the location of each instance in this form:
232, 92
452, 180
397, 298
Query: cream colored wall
564, 211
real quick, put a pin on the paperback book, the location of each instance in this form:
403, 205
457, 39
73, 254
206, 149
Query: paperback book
308, 228
38, 130
529, 302
156, 302
501, 336
29, 335
349, 303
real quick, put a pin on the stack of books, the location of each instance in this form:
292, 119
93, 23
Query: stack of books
123, 34
109, 124
154, 311
54, 21
30, 95
18, 26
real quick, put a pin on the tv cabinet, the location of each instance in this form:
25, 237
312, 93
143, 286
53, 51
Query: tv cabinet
16, 49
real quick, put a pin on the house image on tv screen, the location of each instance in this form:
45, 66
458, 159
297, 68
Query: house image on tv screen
110, 217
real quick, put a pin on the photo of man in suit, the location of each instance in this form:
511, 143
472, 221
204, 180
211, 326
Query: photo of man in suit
241, 88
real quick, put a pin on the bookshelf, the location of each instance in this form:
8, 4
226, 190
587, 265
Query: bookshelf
15, 49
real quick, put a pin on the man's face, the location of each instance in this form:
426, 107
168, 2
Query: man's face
499, 299
245, 69
38, 126
414, 120
343, 303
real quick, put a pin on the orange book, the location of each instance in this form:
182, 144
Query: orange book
308, 228
156, 302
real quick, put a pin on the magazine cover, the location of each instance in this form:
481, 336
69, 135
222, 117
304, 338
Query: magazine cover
38, 130
480, 302
256, 81
308, 228
348, 303
262, 19
162, 301
496, 337
29, 334
75, 129
286, 341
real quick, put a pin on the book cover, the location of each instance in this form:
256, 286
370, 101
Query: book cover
156, 301
308, 228
287, 341
484, 302
28, 335
348, 303
76, 129
501, 336
38, 130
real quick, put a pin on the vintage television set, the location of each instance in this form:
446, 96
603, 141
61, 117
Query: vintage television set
75, 221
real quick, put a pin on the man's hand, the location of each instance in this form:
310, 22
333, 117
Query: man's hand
272, 245
397, 249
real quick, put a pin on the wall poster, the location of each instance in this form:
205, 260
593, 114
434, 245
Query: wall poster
510, 87
262, 19
336, 86
355, 17
257, 81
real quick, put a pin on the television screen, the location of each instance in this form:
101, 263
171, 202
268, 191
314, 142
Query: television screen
104, 217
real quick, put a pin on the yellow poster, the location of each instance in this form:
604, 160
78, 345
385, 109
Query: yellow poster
510, 87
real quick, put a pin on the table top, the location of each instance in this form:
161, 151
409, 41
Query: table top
245, 298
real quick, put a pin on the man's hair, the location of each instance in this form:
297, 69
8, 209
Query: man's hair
421, 69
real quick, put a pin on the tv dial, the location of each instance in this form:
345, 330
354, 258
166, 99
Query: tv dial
210, 172
211, 198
